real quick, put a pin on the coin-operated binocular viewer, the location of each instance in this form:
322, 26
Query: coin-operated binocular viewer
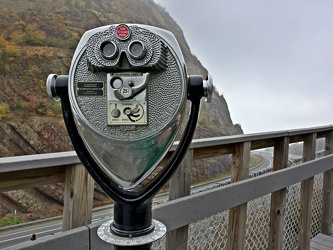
123, 104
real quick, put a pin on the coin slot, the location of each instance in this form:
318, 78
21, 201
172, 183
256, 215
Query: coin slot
116, 83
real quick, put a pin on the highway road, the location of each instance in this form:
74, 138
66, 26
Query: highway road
21, 233
267, 161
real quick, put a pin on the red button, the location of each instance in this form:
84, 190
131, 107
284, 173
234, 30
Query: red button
122, 32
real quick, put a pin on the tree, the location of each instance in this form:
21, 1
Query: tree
3, 110
33, 35
7, 52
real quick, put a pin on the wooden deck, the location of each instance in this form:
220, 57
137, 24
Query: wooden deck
322, 242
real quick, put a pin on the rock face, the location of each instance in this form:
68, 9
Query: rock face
38, 38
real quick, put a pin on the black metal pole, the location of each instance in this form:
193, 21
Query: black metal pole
143, 247
132, 220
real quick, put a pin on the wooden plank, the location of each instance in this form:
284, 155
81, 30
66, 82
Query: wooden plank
318, 246
180, 186
309, 153
304, 131
325, 238
278, 198
204, 153
201, 205
180, 183
259, 144
314, 246
78, 197
31, 178
322, 242
237, 214
327, 208
39, 161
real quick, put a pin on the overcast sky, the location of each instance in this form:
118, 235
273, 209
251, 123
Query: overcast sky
271, 59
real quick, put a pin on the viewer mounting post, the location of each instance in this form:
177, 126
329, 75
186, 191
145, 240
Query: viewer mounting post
123, 103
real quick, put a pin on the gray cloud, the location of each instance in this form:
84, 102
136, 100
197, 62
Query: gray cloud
272, 60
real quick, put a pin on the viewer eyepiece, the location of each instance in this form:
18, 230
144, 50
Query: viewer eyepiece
109, 50
137, 50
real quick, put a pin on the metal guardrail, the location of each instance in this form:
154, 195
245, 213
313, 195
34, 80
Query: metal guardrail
236, 199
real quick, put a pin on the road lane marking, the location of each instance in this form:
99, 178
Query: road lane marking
31, 229
29, 235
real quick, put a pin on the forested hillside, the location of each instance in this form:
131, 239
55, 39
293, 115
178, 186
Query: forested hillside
37, 38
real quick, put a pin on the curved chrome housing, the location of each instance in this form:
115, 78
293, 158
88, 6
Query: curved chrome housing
129, 154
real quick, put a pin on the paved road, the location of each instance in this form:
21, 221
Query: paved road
42, 228
267, 163
24, 234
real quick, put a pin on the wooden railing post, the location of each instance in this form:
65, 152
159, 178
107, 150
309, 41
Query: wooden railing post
326, 222
237, 215
278, 198
309, 153
78, 197
180, 186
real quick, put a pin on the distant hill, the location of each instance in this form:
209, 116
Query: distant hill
38, 37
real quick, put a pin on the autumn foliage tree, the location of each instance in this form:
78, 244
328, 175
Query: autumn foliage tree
3, 110
33, 35
8, 52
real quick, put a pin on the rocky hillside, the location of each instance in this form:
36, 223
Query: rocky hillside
38, 37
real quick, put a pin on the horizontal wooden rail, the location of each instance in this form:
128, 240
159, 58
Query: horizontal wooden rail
201, 205
203, 148
28, 171
29, 162
34, 170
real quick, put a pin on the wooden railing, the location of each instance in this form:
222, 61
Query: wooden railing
29, 171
